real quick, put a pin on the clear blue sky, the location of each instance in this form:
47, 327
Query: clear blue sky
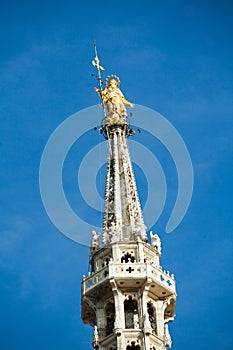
172, 56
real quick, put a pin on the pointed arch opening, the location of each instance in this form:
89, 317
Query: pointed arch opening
133, 346
110, 317
152, 317
131, 313
128, 258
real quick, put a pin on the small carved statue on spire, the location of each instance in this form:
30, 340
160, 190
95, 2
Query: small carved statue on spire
95, 242
140, 230
114, 232
105, 239
167, 337
147, 324
155, 242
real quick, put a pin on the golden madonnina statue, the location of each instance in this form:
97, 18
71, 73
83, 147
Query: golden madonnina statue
114, 101
112, 97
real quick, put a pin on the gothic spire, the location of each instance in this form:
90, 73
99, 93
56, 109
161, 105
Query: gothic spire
123, 218
126, 297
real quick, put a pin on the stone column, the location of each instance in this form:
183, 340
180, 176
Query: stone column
147, 330
100, 319
160, 318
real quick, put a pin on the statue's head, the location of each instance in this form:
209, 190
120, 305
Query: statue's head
113, 83
112, 80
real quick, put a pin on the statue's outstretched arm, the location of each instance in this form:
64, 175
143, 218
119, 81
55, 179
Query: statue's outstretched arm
124, 101
127, 103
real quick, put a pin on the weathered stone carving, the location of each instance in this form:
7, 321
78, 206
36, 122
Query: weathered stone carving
95, 242
155, 242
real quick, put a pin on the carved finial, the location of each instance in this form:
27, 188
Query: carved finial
95, 342
155, 242
95, 242
117, 328
114, 232
147, 325
140, 229
167, 337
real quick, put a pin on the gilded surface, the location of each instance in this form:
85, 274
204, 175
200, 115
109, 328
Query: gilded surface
114, 101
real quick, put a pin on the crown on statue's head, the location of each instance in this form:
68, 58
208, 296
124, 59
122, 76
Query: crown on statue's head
112, 77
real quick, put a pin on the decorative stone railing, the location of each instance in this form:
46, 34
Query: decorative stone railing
163, 277
139, 270
96, 278
129, 270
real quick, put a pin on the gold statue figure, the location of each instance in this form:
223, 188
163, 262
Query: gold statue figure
114, 100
